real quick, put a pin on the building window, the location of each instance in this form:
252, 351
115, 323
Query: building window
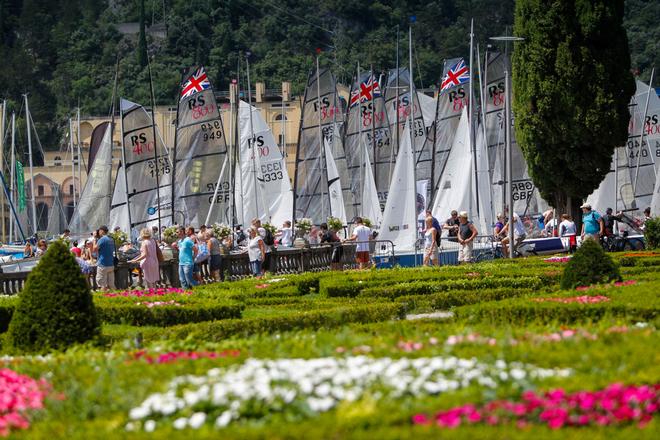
57, 161
70, 189
40, 190
280, 117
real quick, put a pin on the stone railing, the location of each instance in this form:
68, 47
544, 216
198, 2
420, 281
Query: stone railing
234, 267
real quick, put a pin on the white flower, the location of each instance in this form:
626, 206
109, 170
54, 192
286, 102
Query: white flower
223, 420
517, 373
197, 420
149, 425
180, 423
138, 413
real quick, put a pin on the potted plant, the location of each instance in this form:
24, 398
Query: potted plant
334, 224
303, 226
221, 232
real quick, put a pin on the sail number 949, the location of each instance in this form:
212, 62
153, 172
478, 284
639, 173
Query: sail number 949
211, 130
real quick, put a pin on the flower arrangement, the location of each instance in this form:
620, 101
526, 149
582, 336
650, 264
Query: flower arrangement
558, 259
19, 395
221, 231
120, 237
174, 356
615, 405
152, 304
270, 227
607, 286
158, 291
334, 224
584, 299
170, 235
304, 225
259, 387
367, 222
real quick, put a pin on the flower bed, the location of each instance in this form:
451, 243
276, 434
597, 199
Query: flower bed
615, 405
258, 388
160, 291
584, 299
175, 356
19, 396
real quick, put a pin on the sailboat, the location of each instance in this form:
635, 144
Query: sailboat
147, 170
93, 209
368, 132
119, 205
202, 167
337, 207
370, 207
262, 181
322, 118
399, 223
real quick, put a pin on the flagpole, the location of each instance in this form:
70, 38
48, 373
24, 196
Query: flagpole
29, 136
360, 124
2, 163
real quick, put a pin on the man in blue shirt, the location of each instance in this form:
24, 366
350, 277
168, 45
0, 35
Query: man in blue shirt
105, 265
187, 253
592, 223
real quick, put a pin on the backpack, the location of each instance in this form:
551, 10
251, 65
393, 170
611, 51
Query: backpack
269, 240
202, 253
438, 235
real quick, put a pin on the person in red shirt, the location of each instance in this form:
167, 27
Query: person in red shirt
76, 250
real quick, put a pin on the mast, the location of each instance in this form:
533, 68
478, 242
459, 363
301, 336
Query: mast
73, 166
80, 158
176, 137
12, 171
324, 161
283, 130
2, 163
373, 119
156, 158
235, 140
473, 147
396, 87
641, 134
253, 141
410, 119
29, 136
123, 160
360, 125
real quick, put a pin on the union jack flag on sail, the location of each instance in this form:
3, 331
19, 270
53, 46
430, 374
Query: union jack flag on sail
368, 91
197, 82
456, 75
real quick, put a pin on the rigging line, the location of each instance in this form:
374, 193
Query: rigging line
419, 70
299, 18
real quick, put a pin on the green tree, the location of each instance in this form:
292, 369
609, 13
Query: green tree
55, 308
571, 85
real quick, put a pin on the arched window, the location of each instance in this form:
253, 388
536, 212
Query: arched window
280, 116
57, 161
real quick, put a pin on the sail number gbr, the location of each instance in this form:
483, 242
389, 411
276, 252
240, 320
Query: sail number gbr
211, 130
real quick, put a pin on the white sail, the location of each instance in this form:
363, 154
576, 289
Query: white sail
265, 189
400, 216
337, 207
484, 187
605, 195
119, 206
93, 209
370, 202
655, 201
456, 191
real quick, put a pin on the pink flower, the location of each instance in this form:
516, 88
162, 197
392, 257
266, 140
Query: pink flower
421, 419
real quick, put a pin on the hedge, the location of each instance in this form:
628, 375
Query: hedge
219, 330
446, 300
164, 316
425, 288
633, 303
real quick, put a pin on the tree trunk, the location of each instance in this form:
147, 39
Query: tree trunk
565, 204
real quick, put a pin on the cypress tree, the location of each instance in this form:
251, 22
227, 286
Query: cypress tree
55, 309
571, 85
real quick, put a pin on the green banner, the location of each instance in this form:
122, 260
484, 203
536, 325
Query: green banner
20, 186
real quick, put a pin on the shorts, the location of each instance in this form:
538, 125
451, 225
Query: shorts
216, 263
465, 252
434, 254
197, 268
105, 277
255, 266
362, 256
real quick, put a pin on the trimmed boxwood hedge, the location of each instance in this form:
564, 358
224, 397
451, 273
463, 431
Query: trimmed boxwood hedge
219, 330
165, 316
455, 298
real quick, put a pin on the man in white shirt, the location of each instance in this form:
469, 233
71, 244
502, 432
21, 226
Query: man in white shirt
519, 234
362, 235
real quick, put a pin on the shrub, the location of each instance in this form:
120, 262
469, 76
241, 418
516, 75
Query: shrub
163, 316
589, 265
55, 308
652, 233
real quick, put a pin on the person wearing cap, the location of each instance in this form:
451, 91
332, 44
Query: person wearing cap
467, 232
104, 246
451, 225
519, 234
592, 223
